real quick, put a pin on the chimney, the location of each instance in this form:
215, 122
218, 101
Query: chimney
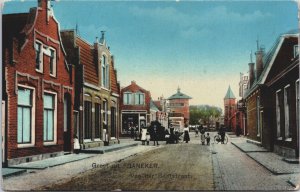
259, 62
133, 82
251, 74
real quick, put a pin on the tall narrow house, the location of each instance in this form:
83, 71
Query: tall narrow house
96, 90
38, 87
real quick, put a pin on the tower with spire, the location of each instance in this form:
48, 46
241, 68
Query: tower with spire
230, 110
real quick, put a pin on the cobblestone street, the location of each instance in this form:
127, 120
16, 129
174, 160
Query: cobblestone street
168, 167
234, 170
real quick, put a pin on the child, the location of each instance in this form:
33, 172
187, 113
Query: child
207, 139
202, 138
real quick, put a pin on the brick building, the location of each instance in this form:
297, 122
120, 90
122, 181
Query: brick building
135, 107
230, 110
241, 116
38, 84
179, 106
273, 101
96, 90
282, 80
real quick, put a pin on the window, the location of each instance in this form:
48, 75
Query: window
297, 103
127, 98
38, 56
97, 120
139, 99
278, 113
87, 120
258, 117
105, 72
296, 50
105, 112
49, 117
287, 127
113, 121
25, 113
52, 62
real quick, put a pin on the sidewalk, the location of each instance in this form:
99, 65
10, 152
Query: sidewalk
60, 160
37, 178
276, 164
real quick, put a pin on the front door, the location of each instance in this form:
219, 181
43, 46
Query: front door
3, 132
67, 124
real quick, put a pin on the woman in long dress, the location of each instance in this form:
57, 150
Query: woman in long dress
186, 136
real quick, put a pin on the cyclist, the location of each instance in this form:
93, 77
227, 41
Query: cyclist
222, 133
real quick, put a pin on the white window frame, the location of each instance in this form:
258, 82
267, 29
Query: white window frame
278, 118
105, 112
41, 68
297, 104
54, 142
129, 99
105, 78
296, 50
286, 115
54, 62
32, 143
137, 94
258, 118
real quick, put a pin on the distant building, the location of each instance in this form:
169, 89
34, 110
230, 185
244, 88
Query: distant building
162, 115
179, 106
230, 110
241, 116
135, 107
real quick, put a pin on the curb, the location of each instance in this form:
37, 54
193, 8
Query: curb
102, 151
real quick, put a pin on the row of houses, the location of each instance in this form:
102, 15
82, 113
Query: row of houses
269, 107
57, 87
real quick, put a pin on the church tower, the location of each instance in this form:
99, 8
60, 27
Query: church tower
229, 110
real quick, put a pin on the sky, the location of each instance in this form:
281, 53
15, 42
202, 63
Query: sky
199, 46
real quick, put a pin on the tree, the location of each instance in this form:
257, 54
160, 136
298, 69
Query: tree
203, 113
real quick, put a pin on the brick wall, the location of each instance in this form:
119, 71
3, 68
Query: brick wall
48, 34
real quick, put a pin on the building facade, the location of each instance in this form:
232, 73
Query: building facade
96, 90
38, 84
135, 108
282, 80
272, 99
178, 106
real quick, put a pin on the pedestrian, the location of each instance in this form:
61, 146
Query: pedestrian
202, 137
155, 135
186, 136
207, 139
136, 132
76, 145
143, 137
196, 132
131, 132
222, 133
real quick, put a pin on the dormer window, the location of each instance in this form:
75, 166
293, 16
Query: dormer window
127, 98
296, 50
38, 56
52, 66
139, 98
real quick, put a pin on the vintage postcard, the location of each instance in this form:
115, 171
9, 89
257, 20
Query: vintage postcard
149, 95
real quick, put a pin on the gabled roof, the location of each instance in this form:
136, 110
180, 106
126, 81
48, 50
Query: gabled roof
153, 107
269, 59
229, 94
179, 95
88, 60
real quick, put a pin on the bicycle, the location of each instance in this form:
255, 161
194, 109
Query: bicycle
218, 138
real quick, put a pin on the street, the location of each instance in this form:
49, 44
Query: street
183, 166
